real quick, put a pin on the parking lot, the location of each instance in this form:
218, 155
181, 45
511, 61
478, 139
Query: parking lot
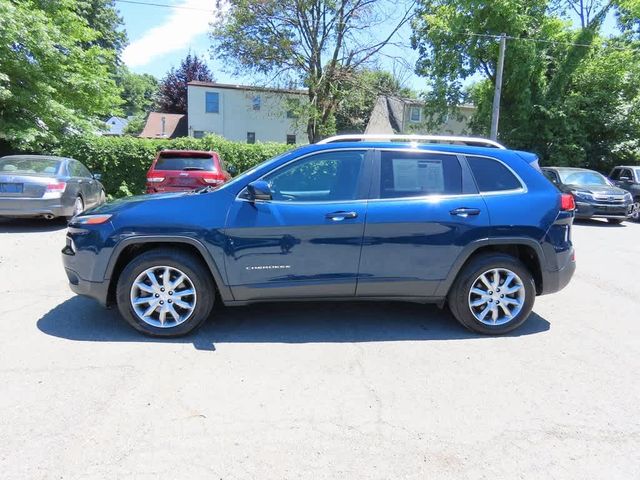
337, 390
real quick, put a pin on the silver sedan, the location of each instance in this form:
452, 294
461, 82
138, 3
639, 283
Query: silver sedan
46, 186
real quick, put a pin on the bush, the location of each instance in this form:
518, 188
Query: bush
124, 161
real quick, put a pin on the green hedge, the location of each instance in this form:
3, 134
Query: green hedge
124, 161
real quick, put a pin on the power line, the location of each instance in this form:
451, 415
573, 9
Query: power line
164, 5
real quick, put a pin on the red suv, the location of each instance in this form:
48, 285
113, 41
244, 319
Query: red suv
180, 170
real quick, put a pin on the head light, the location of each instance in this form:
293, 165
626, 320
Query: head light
90, 219
583, 195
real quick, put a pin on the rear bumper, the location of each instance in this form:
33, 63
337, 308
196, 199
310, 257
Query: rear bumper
594, 210
33, 207
554, 281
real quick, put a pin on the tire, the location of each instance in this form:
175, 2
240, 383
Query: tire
78, 207
198, 279
461, 297
615, 221
635, 215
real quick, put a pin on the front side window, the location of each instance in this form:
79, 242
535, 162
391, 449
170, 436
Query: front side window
615, 174
331, 176
416, 174
492, 176
212, 102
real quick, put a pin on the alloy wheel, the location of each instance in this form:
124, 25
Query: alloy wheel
635, 211
496, 296
163, 296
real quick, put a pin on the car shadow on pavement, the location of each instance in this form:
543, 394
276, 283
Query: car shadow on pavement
29, 225
82, 319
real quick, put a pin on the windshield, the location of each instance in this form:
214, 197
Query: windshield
240, 177
582, 177
185, 163
29, 166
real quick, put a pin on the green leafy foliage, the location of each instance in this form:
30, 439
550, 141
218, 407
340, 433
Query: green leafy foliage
139, 92
568, 94
55, 77
124, 161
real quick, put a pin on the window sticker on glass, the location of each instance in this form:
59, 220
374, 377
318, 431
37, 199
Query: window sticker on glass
421, 176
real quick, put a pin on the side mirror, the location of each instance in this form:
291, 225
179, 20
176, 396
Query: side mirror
232, 169
258, 190
97, 176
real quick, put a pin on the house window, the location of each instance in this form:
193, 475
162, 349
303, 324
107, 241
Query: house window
415, 114
198, 134
251, 137
256, 102
212, 102
291, 139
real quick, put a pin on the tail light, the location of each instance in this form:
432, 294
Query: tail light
58, 187
567, 202
155, 179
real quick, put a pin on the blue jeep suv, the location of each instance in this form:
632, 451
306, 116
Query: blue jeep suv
456, 221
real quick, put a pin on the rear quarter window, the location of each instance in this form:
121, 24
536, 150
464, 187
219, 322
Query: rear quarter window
492, 176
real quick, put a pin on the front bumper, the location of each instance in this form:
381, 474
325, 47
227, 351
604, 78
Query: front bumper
598, 210
33, 207
97, 290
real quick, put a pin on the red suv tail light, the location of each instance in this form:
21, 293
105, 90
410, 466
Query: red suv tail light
567, 202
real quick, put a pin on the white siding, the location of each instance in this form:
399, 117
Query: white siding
237, 117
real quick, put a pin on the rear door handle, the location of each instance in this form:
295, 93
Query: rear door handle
339, 216
465, 212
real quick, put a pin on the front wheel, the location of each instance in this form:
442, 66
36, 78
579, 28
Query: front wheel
165, 293
493, 294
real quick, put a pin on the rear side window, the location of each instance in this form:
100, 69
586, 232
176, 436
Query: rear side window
492, 176
185, 163
416, 174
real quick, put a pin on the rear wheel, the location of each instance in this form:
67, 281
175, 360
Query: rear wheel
78, 207
165, 293
493, 294
635, 210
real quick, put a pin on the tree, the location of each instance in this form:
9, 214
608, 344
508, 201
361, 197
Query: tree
545, 91
52, 78
172, 96
314, 42
103, 18
357, 97
139, 92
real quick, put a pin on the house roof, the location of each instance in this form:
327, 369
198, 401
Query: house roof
116, 125
246, 87
175, 125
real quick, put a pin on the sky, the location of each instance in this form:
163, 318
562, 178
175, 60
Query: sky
160, 37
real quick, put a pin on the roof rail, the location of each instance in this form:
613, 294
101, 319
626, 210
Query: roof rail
383, 137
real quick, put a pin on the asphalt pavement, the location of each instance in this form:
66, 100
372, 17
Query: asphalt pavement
320, 390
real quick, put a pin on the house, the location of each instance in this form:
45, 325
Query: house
165, 125
406, 115
245, 113
115, 126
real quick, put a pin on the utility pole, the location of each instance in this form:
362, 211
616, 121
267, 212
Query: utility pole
495, 116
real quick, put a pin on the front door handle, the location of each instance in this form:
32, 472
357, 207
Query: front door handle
465, 212
339, 216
